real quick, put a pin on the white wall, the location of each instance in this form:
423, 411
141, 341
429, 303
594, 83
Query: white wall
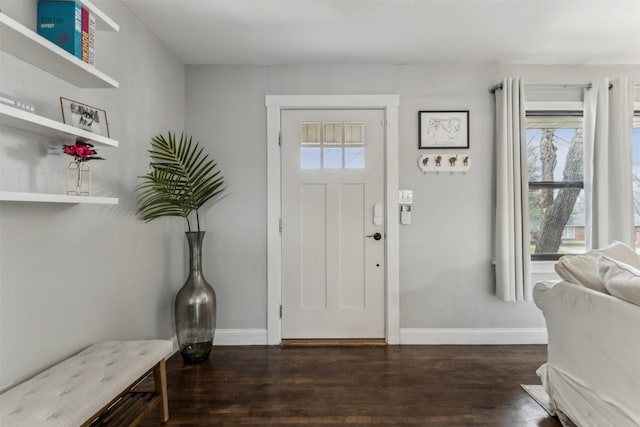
71, 275
446, 279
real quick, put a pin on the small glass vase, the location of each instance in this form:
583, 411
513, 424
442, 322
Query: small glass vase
195, 307
78, 179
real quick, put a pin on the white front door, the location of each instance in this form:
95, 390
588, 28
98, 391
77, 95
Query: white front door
333, 225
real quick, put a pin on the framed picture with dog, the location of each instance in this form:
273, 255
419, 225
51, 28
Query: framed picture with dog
443, 129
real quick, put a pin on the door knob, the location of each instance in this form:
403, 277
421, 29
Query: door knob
376, 236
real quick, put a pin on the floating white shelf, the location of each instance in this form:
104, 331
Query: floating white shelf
103, 22
24, 120
14, 196
27, 45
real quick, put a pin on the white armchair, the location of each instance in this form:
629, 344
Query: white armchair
592, 374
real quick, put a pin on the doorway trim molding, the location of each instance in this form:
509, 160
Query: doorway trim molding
275, 104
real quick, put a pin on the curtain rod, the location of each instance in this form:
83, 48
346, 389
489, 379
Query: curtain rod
587, 86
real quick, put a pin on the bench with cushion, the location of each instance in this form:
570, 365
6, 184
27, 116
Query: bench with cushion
94, 387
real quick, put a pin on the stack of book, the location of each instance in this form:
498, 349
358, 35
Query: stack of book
69, 25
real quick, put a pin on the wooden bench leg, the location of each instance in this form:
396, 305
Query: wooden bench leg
160, 377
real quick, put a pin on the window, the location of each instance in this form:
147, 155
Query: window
332, 145
556, 196
636, 175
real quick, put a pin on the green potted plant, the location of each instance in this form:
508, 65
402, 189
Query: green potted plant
182, 179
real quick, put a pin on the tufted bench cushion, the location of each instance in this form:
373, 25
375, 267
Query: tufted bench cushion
76, 390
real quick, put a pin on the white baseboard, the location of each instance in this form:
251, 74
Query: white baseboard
240, 337
412, 336
470, 336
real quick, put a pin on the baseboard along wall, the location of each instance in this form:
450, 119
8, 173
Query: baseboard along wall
413, 336
240, 337
472, 336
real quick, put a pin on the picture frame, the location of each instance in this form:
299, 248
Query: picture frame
85, 117
443, 129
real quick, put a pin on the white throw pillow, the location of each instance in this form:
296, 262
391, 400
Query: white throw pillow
583, 269
620, 279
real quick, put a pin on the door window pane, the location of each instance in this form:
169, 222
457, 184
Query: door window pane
310, 158
332, 133
332, 158
354, 158
310, 133
354, 133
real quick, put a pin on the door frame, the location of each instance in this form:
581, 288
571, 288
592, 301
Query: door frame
275, 104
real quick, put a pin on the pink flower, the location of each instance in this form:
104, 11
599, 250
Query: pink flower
81, 151
84, 151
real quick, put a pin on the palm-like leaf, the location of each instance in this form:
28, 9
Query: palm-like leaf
182, 179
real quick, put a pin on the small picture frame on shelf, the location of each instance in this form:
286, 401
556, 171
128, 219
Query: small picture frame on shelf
85, 117
443, 129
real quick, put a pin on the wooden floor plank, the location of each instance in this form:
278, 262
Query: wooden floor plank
357, 385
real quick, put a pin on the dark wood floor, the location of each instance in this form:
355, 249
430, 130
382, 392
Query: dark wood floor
375, 385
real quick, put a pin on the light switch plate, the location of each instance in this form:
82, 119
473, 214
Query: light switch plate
406, 197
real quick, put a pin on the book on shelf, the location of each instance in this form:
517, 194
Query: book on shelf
85, 34
60, 22
92, 39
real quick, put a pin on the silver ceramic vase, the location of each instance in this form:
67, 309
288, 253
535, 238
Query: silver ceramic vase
195, 307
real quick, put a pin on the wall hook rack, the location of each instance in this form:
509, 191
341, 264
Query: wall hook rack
444, 162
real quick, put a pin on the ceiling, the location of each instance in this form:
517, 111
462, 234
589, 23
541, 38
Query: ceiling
262, 32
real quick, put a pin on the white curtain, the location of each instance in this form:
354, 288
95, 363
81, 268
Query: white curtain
512, 258
608, 123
